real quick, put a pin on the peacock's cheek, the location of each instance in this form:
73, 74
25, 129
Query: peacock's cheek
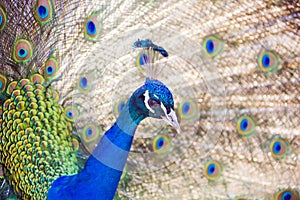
158, 113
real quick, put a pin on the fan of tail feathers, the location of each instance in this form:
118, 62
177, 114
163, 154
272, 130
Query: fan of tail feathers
233, 68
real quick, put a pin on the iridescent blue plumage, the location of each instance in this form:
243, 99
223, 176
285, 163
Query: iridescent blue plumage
42, 11
91, 27
100, 177
211, 169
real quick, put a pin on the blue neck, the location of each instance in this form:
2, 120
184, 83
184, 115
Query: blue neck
100, 177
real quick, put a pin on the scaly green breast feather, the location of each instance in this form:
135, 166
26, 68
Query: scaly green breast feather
36, 139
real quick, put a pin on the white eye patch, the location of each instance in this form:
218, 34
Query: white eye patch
147, 97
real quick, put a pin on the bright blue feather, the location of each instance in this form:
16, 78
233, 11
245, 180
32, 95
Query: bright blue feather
100, 177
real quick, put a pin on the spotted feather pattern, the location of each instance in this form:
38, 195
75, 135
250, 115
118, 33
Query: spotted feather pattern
232, 67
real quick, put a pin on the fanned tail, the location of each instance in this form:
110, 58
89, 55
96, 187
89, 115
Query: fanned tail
233, 67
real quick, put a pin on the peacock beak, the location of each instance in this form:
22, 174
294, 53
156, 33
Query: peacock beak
171, 119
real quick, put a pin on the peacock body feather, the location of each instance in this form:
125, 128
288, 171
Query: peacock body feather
36, 140
67, 72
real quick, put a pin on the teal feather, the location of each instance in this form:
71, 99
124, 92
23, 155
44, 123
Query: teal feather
232, 66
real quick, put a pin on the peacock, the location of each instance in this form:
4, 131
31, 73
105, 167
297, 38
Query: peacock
68, 70
37, 152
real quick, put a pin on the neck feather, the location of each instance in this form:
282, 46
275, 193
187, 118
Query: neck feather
103, 169
114, 146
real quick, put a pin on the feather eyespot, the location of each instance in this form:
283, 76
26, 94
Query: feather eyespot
3, 83
287, 194
278, 148
188, 109
2, 18
90, 133
51, 68
71, 113
119, 106
84, 82
212, 170
144, 58
90, 136
22, 51
161, 144
92, 27
268, 61
212, 46
245, 126
43, 12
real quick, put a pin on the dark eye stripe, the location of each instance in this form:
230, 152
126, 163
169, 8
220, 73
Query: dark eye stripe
169, 110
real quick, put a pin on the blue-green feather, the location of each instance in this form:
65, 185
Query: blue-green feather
100, 177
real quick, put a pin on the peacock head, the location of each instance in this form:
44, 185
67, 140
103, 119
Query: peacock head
153, 99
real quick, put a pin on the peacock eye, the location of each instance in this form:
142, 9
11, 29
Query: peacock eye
153, 103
